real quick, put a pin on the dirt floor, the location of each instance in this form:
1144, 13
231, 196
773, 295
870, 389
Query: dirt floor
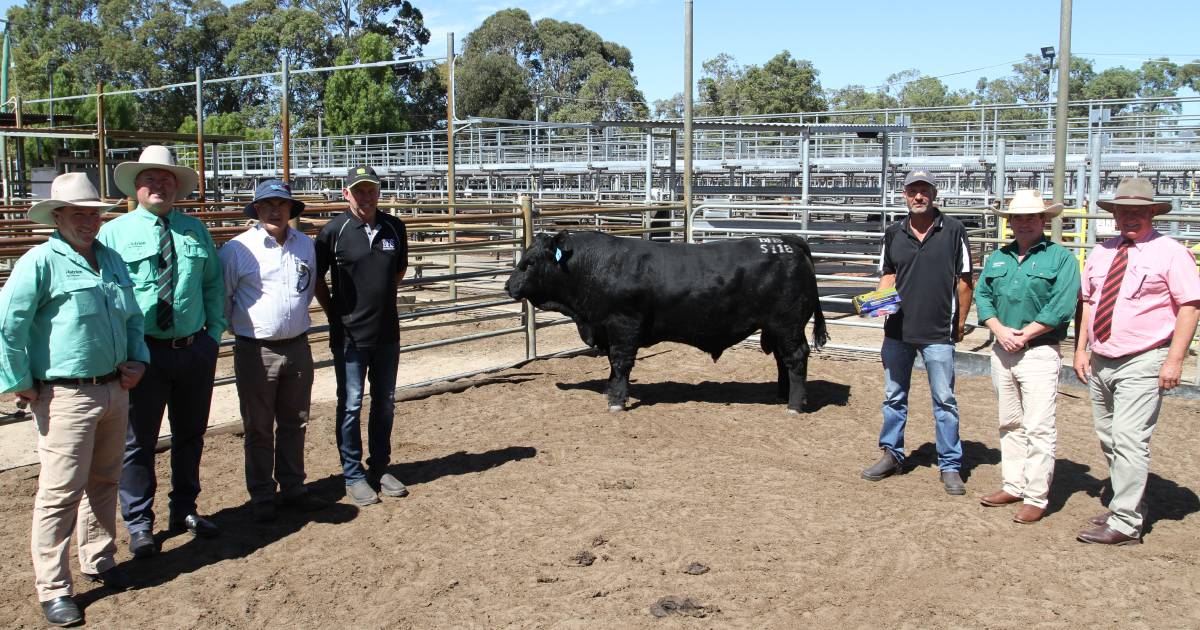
704, 505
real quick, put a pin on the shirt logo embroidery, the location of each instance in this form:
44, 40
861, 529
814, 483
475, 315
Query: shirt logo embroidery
388, 244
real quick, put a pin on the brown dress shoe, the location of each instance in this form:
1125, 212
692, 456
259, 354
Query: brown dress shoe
998, 498
1100, 520
1027, 514
1105, 535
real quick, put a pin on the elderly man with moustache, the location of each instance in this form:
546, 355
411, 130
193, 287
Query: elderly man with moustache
269, 284
1141, 295
1026, 296
179, 287
71, 347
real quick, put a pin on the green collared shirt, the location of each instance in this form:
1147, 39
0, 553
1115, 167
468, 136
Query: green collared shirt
1043, 288
199, 284
59, 318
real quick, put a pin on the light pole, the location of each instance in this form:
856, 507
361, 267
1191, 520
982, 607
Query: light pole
1048, 55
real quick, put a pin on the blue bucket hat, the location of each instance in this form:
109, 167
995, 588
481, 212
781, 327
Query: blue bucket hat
273, 188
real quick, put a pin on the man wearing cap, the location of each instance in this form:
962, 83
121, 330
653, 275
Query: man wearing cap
1140, 298
71, 346
366, 253
177, 280
268, 287
927, 258
1026, 295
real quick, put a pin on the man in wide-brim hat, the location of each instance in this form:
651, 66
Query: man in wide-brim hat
1140, 298
180, 290
72, 347
1026, 295
269, 285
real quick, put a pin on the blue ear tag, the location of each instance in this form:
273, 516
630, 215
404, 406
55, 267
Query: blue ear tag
557, 255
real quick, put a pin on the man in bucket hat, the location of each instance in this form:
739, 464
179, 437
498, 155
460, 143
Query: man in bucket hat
1140, 299
268, 287
71, 347
927, 258
1026, 295
366, 253
179, 288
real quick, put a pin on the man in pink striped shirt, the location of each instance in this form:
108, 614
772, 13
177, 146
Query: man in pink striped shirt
1141, 295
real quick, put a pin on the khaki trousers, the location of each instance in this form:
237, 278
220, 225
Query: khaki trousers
274, 386
1027, 388
1125, 405
81, 437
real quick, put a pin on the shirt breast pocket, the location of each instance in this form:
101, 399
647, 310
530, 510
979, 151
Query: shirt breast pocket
195, 253
81, 300
142, 263
1141, 282
994, 275
1041, 282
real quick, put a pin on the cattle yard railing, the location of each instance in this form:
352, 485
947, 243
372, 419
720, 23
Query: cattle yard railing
460, 254
850, 238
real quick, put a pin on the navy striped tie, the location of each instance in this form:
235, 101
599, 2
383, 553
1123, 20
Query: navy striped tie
166, 277
1102, 323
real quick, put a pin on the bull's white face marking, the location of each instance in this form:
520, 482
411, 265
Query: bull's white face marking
557, 255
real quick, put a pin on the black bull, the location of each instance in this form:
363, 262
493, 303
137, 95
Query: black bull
625, 294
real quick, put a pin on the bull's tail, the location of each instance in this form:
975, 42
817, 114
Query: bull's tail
820, 333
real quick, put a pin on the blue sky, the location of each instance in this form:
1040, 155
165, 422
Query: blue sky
860, 42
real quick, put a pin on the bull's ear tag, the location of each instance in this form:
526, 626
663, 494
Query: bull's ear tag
557, 254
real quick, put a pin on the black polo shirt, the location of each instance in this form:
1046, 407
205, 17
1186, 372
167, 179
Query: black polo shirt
364, 277
927, 278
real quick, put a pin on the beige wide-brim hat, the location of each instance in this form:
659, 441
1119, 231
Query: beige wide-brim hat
1135, 193
68, 189
1028, 201
155, 156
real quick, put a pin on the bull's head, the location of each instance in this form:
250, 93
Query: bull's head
542, 273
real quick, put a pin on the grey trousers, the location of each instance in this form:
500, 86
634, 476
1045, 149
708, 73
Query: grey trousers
1125, 405
274, 384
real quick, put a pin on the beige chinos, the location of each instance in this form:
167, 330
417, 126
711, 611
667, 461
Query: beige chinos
1027, 389
81, 439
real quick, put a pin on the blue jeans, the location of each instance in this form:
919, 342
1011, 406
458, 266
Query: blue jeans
898, 358
354, 367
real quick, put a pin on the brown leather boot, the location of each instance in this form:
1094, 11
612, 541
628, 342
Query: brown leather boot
998, 498
1100, 520
1027, 514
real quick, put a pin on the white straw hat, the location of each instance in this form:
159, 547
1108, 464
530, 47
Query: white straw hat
155, 156
68, 189
1028, 201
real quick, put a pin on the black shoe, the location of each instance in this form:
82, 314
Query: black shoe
886, 466
142, 545
115, 578
197, 525
264, 511
306, 502
62, 612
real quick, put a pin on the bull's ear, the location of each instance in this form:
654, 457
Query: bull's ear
562, 246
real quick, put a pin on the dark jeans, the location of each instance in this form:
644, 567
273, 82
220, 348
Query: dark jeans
181, 381
354, 367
